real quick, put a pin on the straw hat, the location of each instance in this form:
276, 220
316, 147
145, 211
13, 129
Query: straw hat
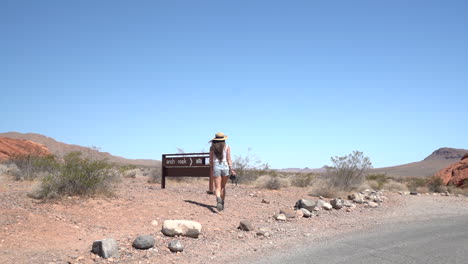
219, 137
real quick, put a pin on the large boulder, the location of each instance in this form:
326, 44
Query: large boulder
106, 248
185, 228
456, 174
306, 204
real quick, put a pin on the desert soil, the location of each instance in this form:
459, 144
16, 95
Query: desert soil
63, 231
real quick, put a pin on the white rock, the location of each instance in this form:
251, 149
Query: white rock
106, 248
306, 213
327, 206
280, 217
181, 228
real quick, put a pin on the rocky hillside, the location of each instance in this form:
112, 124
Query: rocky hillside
433, 163
10, 147
60, 148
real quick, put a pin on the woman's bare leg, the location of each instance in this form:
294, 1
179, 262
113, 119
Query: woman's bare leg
217, 181
224, 180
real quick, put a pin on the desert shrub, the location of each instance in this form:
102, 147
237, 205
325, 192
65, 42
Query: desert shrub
249, 168
155, 175
302, 179
373, 184
349, 171
395, 186
323, 187
272, 182
436, 184
29, 166
76, 175
414, 183
377, 181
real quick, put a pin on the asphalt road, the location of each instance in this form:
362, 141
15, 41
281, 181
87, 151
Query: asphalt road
429, 242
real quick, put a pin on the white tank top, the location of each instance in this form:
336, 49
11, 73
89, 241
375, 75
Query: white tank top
224, 161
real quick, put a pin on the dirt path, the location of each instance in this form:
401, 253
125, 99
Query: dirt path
63, 231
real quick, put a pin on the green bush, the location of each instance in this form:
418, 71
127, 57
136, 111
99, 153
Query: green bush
348, 172
76, 175
436, 184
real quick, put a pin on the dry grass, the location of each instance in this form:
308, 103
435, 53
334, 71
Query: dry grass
130, 174
321, 187
155, 175
373, 184
302, 179
456, 190
395, 186
272, 182
422, 189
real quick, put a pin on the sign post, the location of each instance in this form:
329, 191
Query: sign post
187, 165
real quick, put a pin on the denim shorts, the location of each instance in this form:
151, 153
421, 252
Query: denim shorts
220, 170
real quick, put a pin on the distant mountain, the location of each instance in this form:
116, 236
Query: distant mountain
433, 163
438, 160
304, 170
60, 148
447, 154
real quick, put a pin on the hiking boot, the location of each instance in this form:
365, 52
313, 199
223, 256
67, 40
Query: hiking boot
220, 204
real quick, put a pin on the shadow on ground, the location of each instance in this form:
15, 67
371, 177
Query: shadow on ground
209, 207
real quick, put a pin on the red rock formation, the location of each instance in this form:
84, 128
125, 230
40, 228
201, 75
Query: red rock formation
10, 147
456, 174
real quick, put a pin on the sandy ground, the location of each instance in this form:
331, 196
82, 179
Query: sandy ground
63, 231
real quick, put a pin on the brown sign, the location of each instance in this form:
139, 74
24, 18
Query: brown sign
186, 165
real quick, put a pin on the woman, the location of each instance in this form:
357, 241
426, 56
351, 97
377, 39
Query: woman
220, 157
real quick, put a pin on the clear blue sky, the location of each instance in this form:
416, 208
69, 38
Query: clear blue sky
296, 81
